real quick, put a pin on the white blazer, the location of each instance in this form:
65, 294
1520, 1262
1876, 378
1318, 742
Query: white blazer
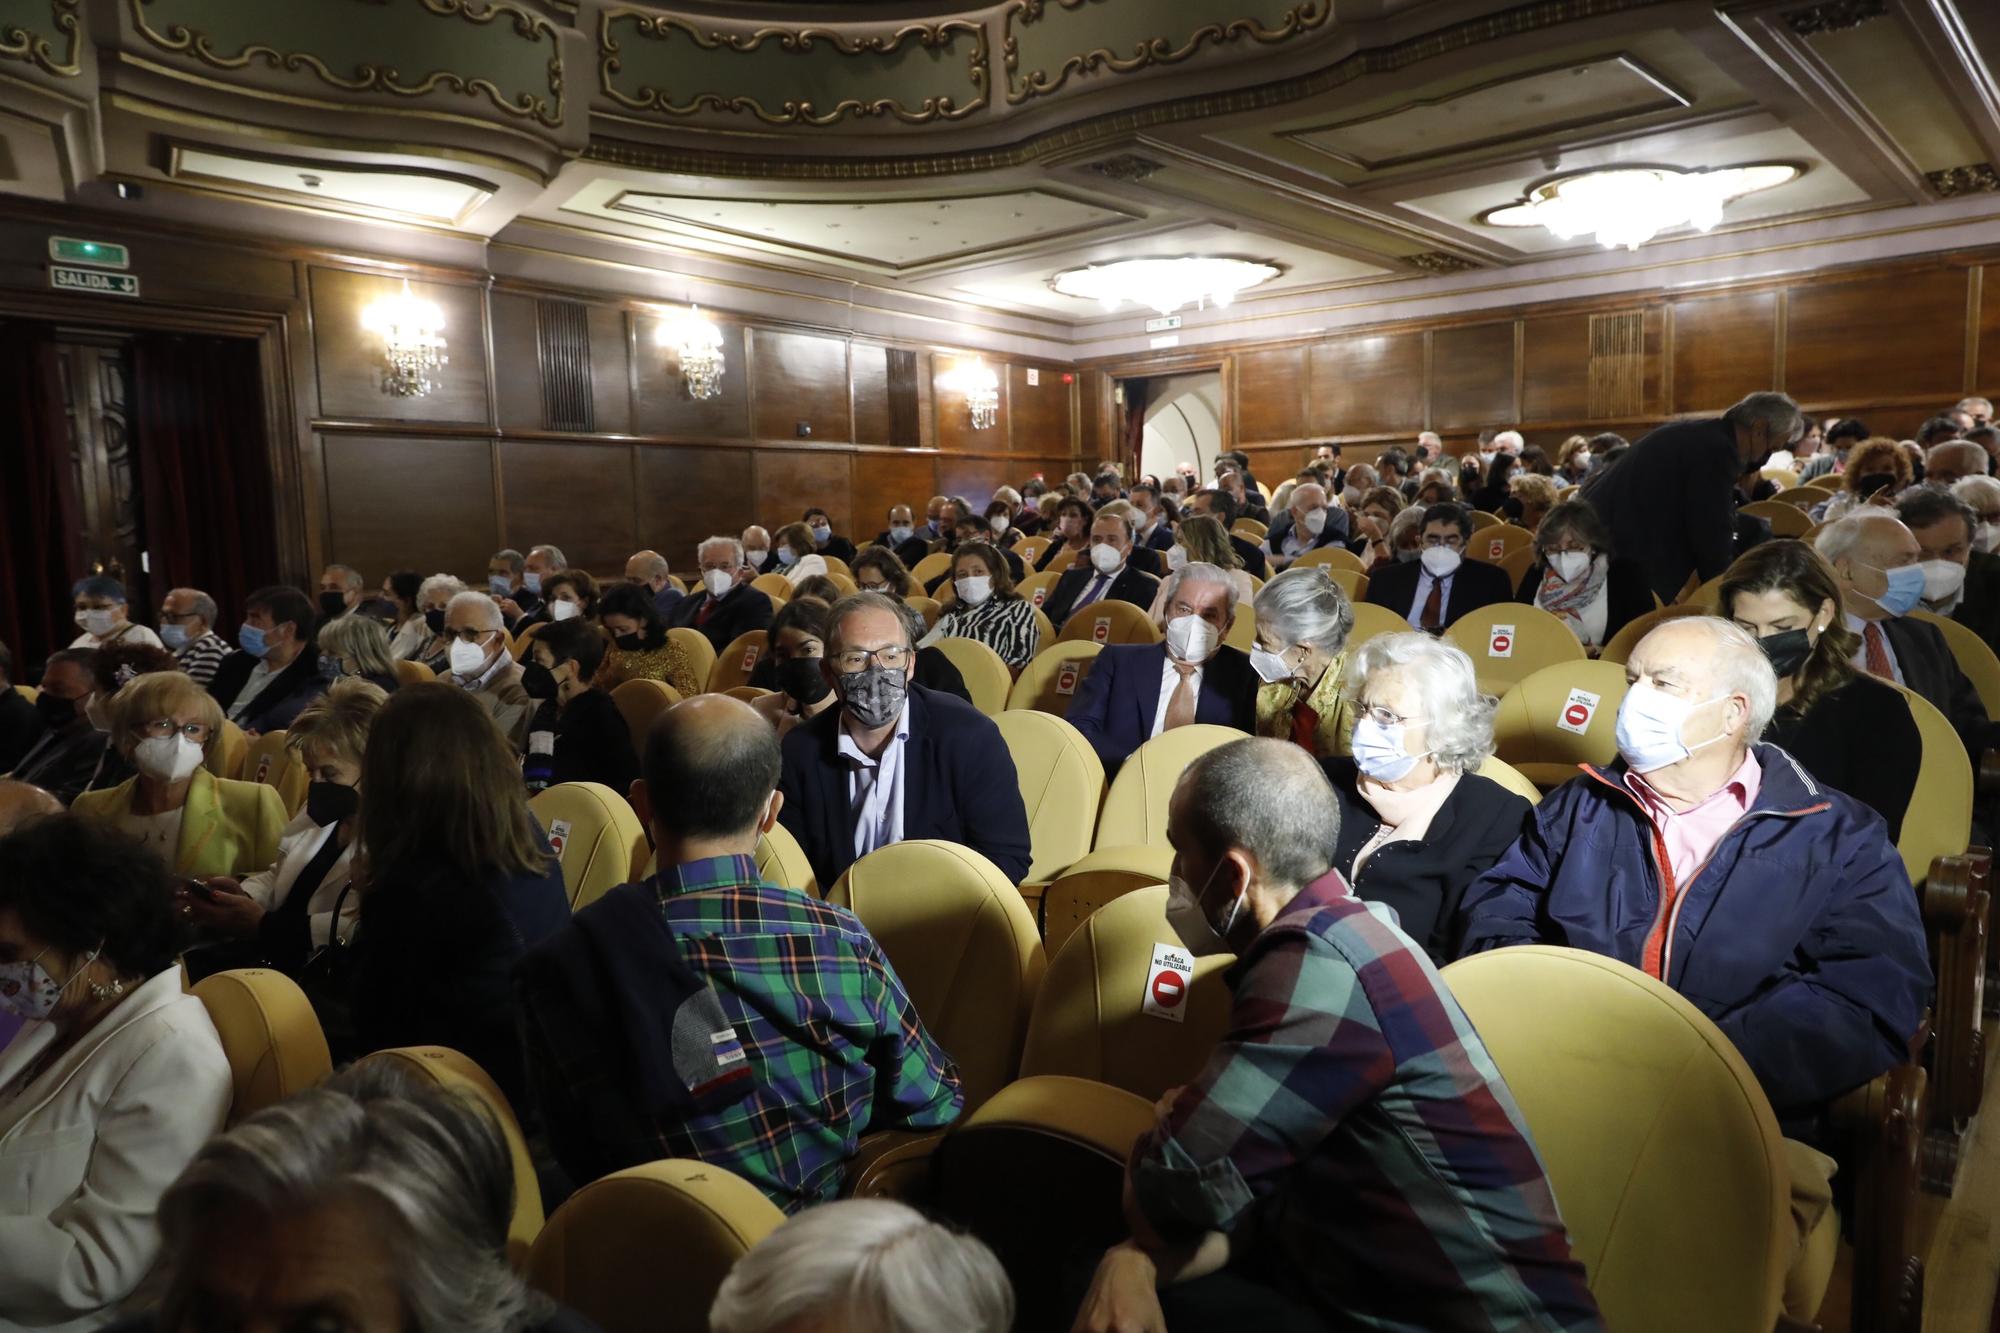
88, 1148
300, 842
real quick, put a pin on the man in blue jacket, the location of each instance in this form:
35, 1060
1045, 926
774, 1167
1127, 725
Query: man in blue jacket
1776, 905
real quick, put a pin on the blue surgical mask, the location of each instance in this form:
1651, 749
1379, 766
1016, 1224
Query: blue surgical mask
822, 534
174, 636
1905, 590
532, 581
1379, 752
498, 585
251, 640
899, 535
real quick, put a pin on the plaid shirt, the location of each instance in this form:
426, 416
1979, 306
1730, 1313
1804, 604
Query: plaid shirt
1352, 1135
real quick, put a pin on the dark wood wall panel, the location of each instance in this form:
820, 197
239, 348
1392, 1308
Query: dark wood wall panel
400, 503
1096, 415
517, 368
1358, 386
1037, 413
797, 378
952, 419
1270, 394
1879, 337
574, 496
882, 480
1986, 371
1555, 368
350, 358
789, 481
975, 479
1724, 347
686, 494
661, 405
610, 370
870, 369
1472, 376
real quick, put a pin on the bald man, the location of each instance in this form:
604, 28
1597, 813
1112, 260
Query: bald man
1308, 523
753, 1026
648, 569
756, 553
22, 801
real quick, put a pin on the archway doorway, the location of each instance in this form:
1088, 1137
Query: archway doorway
1183, 424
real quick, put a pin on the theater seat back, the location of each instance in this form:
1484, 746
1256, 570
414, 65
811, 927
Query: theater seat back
1559, 717
1110, 622
987, 679
413, 673
1510, 641
1093, 881
227, 752
1664, 1155
1053, 676
734, 664
596, 834
269, 1033
640, 702
700, 655
1135, 809
1331, 558
1062, 785
1371, 620
1618, 648
783, 862
1940, 810
268, 760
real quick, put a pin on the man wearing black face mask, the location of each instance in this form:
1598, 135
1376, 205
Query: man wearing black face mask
895, 761
578, 734
339, 591
72, 756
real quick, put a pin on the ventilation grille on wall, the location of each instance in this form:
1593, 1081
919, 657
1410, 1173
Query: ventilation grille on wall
1617, 365
562, 331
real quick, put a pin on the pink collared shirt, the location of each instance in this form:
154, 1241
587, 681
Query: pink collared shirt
1690, 835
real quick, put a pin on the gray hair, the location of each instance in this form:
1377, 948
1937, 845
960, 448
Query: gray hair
362, 641
201, 604
1405, 519
1437, 476
1837, 540
1363, 478
870, 1264
855, 603
1737, 663
348, 574
489, 610
1008, 496
1977, 490
652, 564
449, 584
1269, 798
1458, 719
710, 543
1974, 455
1199, 571
1508, 440
432, 1163
513, 558
1775, 410
1305, 486
1305, 606
551, 554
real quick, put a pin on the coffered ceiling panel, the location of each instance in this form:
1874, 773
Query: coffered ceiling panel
1881, 69
417, 195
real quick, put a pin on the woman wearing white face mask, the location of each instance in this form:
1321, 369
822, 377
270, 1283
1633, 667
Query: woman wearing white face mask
1303, 620
988, 610
102, 615
199, 824
1575, 576
1417, 823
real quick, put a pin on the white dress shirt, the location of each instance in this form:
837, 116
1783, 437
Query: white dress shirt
1860, 659
253, 685
875, 788
1170, 681
1415, 615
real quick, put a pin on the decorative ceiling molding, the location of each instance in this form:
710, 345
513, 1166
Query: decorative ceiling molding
794, 42
1147, 52
181, 38
1977, 178
1440, 261
1127, 167
19, 42
1834, 16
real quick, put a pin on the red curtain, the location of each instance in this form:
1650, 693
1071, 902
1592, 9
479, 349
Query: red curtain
41, 533
204, 467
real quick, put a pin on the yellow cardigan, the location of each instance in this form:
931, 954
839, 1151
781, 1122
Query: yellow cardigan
227, 827
1336, 711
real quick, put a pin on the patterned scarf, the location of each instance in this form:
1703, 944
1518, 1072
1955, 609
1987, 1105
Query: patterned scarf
1568, 599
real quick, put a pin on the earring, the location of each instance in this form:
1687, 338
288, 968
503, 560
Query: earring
112, 991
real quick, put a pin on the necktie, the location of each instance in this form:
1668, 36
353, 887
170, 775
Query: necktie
707, 610
1094, 591
1180, 708
1305, 727
1432, 618
1878, 652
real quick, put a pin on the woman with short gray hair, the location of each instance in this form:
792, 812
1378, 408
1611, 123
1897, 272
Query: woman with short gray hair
358, 648
1303, 620
434, 594
1417, 822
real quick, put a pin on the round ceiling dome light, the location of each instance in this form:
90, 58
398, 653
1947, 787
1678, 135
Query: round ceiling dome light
1164, 284
1629, 206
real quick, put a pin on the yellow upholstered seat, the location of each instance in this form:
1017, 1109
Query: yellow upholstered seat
413, 673
1135, 809
227, 752
1786, 520
1093, 881
269, 1033
928, 568
1510, 641
1030, 549
1243, 629
27, 692
269, 761
1493, 544
1371, 620
1331, 558
1053, 676
1804, 497
783, 862
1110, 622
1784, 478
526, 640
1516, 564
643, 1250
927, 607
1618, 648
1045, 630
837, 567
961, 939
1250, 530
1036, 587
1482, 520
774, 586
746, 692
1662, 1150
1062, 785
1975, 657
987, 679
596, 835
700, 654
1495, 769
734, 663
640, 702
1559, 717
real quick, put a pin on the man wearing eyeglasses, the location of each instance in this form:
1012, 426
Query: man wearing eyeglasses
477, 650
895, 761
1441, 585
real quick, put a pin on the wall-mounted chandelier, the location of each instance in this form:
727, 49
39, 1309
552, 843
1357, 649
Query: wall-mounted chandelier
981, 388
1629, 206
697, 342
1164, 284
413, 343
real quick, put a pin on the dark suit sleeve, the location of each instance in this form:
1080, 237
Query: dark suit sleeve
1090, 711
988, 792
1887, 776
1056, 606
1711, 514
799, 781
1509, 819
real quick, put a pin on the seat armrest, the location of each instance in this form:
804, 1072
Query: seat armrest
1880, 1128
892, 1164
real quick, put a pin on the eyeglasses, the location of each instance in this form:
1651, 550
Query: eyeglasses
161, 728
469, 635
1382, 717
176, 617
851, 660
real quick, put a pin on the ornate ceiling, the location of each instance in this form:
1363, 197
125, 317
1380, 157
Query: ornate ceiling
963, 157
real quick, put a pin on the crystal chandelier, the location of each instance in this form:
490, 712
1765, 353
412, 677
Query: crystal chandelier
981, 388
698, 344
1629, 206
1164, 284
413, 344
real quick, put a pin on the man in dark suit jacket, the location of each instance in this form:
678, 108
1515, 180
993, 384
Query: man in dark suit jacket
1153, 532
265, 689
817, 521
1670, 501
1307, 498
1433, 591
1944, 526
902, 537
738, 610
1111, 576
1129, 696
1221, 506
896, 762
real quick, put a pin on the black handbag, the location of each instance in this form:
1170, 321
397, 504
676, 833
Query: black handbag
327, 978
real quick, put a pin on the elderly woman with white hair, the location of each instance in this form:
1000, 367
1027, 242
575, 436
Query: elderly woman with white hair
356, 647
1417, 823
1303, 620
1982, 496
433, 596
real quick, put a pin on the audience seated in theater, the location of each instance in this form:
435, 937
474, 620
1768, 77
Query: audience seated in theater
1201, 540
479, 663
1573, 460
504, 579
1534, 496
791, 668
1417, 823
74, 754
187, 629
1308, 524
862, 1265
1151, 527
756, 543
356, 647
1000, 523
102, 613
820, 528
1232, 480
1982, 496
1848, 729
460, 884
1071, 547
639, 646
279, 915
275, 670
1496, 496
820, 586
21, 723
1370, 537
569, 595
1783, 912
901, 538
1875, 560
1108, 576
1438, 588
339, 591
896, 761
1136, 691
1961, 582
163, 725
877, 570
112, 1085
806, 1038
1348, 1157
724, 608
1876, 473
406, 627
1219, 506
1952, 461
648, 569
373, 1203
1576, 577
1303, 620
1437, 485
792, 553
1471, 475
1142, 558
578, 734
434, 596
988, 610
1670, 502
541, 564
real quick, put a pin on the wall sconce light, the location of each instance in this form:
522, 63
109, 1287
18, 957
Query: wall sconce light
413, 343
698, 344
981, 388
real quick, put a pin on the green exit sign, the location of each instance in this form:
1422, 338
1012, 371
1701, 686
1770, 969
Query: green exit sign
98, 254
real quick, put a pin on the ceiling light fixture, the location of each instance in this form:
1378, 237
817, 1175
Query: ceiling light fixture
413, 343
698, 344
1629, 206
981, 387
1164, 284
